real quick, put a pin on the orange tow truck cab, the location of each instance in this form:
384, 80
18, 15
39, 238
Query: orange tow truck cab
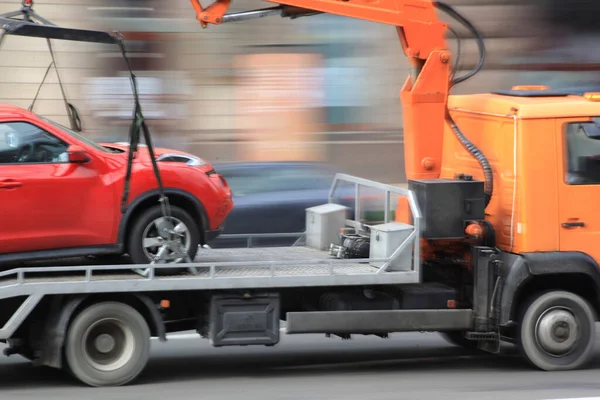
544, 149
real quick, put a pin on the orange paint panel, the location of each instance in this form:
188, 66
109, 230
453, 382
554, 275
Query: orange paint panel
424, 109
403, 213
424, 32
537, 217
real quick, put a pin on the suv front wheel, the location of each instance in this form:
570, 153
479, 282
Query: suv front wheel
145, 242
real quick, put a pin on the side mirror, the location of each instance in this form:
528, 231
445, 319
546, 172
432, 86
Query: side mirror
77, 154
592, 130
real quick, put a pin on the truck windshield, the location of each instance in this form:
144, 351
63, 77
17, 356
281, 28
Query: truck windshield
77, 136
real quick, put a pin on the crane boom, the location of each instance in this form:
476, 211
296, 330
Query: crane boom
425, 92
416, 19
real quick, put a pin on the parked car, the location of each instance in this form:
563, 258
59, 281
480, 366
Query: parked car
271, 197
60, 194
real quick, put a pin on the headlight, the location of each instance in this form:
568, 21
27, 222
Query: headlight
192, 161
196, 162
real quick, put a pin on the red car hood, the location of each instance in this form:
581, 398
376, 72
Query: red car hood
143, 150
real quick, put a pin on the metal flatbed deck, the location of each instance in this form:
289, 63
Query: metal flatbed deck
219, 269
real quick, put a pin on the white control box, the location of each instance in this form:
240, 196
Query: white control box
386, 239
323, 225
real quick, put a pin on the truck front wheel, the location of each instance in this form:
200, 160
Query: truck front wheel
557, 331
107, 344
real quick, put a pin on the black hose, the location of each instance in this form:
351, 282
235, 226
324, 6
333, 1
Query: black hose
458, 49
446, 8
467, 144
478, 155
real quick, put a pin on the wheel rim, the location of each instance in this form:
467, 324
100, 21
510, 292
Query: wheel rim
155, 239
557, 331
108, 344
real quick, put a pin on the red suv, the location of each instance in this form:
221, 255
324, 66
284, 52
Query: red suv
60, 194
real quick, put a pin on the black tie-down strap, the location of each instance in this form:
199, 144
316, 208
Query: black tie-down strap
72, 113
173, 239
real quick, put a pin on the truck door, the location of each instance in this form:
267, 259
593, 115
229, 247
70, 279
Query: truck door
579, 185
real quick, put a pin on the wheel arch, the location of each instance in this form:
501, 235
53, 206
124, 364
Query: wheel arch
177, 197
65, 309
534, 272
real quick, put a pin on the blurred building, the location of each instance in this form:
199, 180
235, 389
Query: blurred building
322, 87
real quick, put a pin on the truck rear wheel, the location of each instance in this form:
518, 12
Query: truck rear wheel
107, 344
557, 331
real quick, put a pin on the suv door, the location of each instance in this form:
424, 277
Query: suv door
45, 201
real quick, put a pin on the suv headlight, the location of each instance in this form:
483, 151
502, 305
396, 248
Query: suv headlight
191, 161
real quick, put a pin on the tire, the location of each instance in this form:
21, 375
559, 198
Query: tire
135, 245
458, 338
557, 331
88, 353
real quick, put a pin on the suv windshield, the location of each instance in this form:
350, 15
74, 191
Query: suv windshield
77, 136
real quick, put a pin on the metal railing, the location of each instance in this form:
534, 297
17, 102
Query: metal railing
206, 270
252, 237
414, 237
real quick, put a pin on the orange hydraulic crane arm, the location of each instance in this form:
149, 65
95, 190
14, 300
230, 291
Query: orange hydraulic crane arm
425, 92
422, 32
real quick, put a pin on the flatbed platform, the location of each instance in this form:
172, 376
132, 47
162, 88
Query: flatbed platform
216, 269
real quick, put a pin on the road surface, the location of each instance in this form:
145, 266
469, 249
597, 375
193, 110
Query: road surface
406, 366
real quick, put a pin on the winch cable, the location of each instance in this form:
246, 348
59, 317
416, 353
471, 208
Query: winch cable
139, 123
72, 113
40, 86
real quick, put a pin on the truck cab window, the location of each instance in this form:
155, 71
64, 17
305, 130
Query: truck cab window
583, 153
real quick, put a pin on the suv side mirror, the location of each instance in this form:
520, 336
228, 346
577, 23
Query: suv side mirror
77, 154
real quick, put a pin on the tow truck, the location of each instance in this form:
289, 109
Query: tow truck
493, 240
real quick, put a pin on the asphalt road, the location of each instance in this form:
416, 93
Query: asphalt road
406, 366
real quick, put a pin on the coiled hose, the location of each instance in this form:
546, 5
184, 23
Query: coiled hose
467, 144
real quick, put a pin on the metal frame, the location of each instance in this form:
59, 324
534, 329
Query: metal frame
251, 236
216, 275
19, 316
18, 27
34, 25
388, 190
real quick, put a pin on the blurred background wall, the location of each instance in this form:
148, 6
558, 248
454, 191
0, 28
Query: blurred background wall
320, 88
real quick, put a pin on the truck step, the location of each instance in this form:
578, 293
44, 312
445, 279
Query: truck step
378, 321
